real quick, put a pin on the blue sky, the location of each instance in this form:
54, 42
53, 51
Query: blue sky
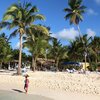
53, 11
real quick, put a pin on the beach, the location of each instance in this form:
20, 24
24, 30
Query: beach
55, 85
9, 95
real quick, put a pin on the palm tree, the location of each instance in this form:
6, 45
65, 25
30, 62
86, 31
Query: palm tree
37, 46
20, 17
58, 52
37, 42
74, 12
73, 48
5, 50
95, 44
86, 48
78, 49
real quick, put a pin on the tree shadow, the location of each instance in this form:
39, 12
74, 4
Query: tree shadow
18, 90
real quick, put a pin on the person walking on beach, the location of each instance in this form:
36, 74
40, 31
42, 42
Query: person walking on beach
26, 83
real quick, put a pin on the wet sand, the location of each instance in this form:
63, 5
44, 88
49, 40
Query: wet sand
9, 95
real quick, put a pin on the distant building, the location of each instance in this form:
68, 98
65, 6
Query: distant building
84, 66
78, 64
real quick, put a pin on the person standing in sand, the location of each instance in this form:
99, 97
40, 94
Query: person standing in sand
26, 85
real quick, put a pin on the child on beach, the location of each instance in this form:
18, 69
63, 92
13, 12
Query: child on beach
26, 83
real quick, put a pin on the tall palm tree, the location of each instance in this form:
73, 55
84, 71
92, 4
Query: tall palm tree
20, 17
74, 12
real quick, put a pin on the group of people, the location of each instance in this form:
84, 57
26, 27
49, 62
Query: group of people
71, 70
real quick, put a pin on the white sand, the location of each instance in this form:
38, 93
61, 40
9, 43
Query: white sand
60, 85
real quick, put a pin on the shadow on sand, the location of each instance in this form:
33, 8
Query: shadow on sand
4, 71
18, 90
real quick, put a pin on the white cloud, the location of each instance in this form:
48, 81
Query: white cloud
54, 35
90, 32
91, 12
71, 33
97, 1
66, 34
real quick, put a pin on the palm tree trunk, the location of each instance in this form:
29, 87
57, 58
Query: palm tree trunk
1, 65
57, 63
80, 34
89, 61
20, 56
33, 63
9, 66
96, 61
85, 63
81, 37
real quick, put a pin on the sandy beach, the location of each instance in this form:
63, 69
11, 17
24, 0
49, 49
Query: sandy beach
55, 85
10, 95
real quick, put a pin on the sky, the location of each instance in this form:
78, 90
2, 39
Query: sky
60, 28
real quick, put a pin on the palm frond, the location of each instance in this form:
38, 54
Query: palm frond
13, 34
12, 8
82, 7
12, 25
71, 3
75, 11
32, 18
7, 17
27, 5
4, 24
33, 10
78, 2
40, 29
68, 10
68, 16
39, 17
19, 14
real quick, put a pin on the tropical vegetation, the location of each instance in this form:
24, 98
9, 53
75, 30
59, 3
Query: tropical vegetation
36, 38
21, 17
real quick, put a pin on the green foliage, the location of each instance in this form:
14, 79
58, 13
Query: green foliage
21, 17
15, 56
15, 53
77, 48
5, 49
37, 46
75, 11
37, 42
93, 66
57, 51
95, 44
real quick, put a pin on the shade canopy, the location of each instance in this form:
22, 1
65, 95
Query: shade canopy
71, 63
